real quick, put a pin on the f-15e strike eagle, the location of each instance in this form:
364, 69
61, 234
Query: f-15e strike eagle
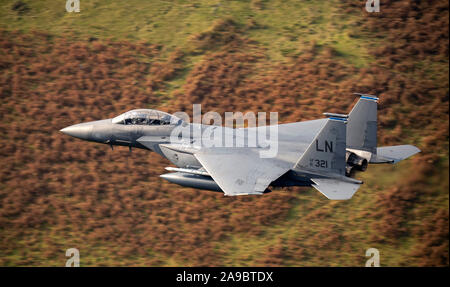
322, 153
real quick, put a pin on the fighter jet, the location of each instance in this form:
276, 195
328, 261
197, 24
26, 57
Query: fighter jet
323, 153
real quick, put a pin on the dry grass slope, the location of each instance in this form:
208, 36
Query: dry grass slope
57, 193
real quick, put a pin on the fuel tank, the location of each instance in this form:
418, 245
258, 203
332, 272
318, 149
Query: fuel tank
192, 180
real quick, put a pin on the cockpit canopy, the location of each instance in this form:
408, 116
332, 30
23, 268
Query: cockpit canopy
146, 117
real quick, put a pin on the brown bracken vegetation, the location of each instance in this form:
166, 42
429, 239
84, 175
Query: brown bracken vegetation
57, 192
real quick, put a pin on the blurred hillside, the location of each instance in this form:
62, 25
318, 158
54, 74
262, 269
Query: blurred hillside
298, 58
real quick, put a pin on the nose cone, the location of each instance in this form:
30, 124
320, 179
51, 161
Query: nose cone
81, 131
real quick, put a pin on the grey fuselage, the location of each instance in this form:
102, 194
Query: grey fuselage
107, 132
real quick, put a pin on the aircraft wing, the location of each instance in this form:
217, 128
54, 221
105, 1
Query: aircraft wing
335, 189
241, 171
396, 153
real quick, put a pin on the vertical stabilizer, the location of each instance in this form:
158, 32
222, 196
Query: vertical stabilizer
362, 125
327, 151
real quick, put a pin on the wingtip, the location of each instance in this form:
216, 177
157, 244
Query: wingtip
414, 150
367, 96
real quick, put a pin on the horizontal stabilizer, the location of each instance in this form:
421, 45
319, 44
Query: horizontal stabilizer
151, 142
335, 189
326, 153
394, 154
